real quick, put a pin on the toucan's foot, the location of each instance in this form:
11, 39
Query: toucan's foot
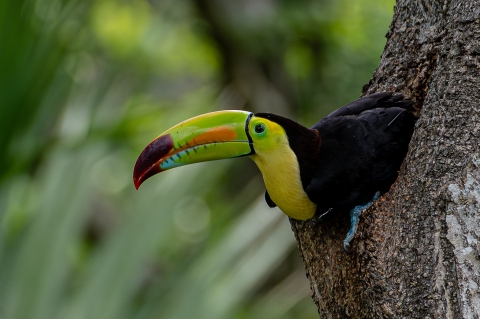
318, 219
354, 219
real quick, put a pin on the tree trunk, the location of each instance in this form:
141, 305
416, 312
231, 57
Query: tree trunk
416, 253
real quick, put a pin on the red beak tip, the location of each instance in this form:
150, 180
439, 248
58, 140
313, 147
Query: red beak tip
136, 183
148, 162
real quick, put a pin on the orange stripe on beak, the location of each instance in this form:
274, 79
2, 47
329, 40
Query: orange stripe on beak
216, 134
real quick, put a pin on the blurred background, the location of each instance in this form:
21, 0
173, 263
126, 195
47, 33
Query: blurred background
85, 85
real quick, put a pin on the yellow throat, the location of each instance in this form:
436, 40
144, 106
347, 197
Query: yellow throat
281, 174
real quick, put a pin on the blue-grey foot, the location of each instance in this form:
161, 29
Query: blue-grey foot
354, 219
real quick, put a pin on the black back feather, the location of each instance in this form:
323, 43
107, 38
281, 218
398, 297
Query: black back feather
363, 145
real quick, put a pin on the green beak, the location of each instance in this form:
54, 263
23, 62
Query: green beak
207, 137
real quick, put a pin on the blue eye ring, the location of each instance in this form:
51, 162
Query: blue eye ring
259, 129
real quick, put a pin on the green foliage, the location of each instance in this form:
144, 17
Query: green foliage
85, 85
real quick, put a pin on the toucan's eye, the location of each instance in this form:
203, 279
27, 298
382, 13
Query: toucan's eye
259, 128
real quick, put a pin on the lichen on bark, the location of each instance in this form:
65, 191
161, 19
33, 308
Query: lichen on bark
463, 232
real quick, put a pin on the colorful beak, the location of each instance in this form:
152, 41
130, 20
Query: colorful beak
207, 137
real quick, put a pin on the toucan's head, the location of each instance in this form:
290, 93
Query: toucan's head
212, 136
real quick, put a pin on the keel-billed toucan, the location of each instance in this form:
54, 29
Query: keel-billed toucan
342, 163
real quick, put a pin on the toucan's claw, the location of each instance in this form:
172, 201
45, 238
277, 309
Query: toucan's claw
317, 219
322, 217
354, 219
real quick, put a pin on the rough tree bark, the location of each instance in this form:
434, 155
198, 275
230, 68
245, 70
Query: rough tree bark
416, 253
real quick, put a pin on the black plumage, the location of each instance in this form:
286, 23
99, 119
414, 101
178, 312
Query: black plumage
352, 153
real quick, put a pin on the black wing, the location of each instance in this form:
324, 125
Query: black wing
362, 147
377, 100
